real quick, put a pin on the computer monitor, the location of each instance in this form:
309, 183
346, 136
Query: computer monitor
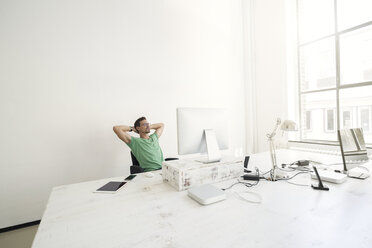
199, 127
353, 147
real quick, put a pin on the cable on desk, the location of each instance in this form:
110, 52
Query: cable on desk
300, 168
290, 164
299, 184
238, 194
283, 179
291, 169
264, 173
261, 176
300, 165
289, 178
245, 183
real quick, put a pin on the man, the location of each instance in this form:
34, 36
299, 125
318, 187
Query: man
145, 148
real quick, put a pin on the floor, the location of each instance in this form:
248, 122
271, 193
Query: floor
21, 238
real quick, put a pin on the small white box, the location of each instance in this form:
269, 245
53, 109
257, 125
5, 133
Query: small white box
185, 173
206, 194
330, 176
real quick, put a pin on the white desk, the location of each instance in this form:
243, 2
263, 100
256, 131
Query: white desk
150, 213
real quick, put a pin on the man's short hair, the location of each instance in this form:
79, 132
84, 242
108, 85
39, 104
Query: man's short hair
137, 122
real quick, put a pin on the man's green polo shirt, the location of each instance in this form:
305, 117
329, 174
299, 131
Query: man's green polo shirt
147, 152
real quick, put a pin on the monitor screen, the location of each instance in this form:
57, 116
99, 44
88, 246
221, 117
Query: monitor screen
191, 123
353, 146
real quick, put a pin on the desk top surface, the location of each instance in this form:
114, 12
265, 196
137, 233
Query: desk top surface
149, 213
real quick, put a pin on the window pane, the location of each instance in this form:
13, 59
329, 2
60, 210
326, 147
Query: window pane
316, 19
317, 65
356, 56
323, 115
358, 101
308, 120
330, 120
353, 13
346, 121
365, 120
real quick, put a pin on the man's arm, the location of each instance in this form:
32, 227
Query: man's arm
159, 127
122, 133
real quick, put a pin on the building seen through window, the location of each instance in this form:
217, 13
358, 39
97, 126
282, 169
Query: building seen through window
335, 68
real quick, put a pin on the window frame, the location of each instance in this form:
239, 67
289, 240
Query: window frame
338, 86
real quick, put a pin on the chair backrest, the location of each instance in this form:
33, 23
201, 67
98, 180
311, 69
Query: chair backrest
134, 159
136, 163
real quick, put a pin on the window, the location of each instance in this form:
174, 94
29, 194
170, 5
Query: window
308, 120
346, 121
335, 67
365, 118
330, 120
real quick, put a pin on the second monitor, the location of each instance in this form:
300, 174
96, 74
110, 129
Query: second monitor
202, 130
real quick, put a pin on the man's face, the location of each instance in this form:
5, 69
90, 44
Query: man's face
144, 127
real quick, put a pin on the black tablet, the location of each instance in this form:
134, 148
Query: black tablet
130, 177
111, 187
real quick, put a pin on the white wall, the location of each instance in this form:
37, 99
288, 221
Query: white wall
249, 76
70, 70
269, 65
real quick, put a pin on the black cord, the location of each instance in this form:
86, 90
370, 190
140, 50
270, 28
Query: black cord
299, 168
261, 177
290, 164
272, 171
245, 183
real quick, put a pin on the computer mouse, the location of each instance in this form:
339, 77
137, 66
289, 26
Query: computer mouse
149, 174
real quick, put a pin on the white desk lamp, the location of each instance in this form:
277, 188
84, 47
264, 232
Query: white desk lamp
286, 125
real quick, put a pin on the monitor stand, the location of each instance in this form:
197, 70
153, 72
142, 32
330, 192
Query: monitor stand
213, 150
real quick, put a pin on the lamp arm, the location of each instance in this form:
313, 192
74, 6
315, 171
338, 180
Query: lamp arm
273, 133
270, 137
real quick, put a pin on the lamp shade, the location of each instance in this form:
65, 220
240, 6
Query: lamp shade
288, 125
